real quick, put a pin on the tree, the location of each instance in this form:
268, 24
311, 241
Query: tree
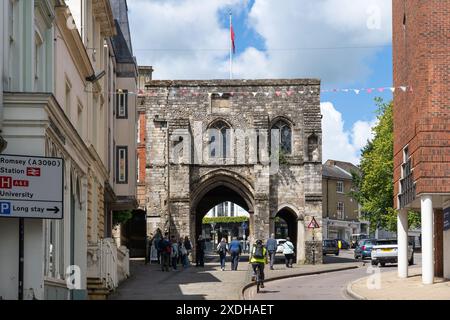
374, 187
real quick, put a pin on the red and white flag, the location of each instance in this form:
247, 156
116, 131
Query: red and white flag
232, 37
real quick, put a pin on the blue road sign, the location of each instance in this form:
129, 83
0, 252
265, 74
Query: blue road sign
5, 208
244, 225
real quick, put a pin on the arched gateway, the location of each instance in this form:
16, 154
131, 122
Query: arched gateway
246, 142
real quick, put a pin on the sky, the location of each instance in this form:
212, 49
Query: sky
347, 44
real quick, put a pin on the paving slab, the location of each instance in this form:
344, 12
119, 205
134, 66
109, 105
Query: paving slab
390, 287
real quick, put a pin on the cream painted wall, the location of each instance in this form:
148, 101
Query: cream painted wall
66, 72
126, 135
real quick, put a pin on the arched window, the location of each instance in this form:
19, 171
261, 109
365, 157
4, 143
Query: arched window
285, 139
313, 148
219, 140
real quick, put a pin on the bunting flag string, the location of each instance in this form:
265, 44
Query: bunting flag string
273, 93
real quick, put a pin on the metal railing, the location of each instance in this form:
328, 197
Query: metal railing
108, 263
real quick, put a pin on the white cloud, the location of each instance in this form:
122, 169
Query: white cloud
185, 37
339, 144
193, 29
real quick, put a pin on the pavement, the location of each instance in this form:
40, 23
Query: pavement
388, 286
148, 282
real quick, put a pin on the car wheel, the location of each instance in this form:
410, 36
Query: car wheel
383, 264
374, 263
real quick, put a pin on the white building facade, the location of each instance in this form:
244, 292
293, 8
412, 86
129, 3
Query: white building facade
59, 97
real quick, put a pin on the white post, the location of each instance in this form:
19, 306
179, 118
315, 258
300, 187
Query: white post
427, 240
402, 240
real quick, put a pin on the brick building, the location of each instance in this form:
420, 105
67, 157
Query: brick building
422, 129
215, 134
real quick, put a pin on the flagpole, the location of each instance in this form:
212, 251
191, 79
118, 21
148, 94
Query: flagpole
231, 52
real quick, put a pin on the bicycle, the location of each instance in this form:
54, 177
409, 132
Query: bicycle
258, 280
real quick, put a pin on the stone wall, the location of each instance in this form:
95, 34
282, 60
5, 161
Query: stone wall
186, 109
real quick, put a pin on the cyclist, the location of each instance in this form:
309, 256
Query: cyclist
258, 259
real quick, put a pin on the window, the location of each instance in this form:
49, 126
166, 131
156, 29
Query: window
54, 249
339, 186
122, 104
122, 164
340, 210
219, 140
139, 130
407, 192
313, 148
285, 139
138, 170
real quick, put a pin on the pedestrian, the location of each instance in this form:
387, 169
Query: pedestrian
288, 251
174, 252
200, 252
183, 254
271, 247
222, 249
235, 250
258, 258
165, 249
188, 246
180, 256
156, 239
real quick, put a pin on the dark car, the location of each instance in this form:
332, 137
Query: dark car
343, 244
364, 248
330, 247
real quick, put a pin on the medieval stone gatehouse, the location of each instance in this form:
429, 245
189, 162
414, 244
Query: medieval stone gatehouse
256, 143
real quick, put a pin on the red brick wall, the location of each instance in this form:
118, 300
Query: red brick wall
422, 117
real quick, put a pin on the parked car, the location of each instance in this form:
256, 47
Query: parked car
386, 251
343, 244
364, 248
356, 237
280, 245
330, 247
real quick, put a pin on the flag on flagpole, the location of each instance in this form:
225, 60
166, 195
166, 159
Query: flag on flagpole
232, 37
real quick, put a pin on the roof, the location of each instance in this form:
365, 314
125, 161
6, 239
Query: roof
335, 172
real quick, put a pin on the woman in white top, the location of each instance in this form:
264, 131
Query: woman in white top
288, 251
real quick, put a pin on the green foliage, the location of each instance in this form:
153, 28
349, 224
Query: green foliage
121, 217
208, 220
374, 188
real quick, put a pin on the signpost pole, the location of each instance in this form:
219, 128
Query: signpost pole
21, 255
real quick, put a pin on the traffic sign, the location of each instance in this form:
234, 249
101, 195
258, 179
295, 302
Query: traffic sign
31, 187
244, 225
313, 224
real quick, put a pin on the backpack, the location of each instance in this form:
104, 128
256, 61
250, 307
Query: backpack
222, 248
259, 252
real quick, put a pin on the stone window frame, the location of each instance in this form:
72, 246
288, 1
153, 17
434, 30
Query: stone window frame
288, 123
224, 125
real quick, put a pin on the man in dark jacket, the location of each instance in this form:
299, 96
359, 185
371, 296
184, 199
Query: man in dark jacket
272, 246
200, 252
